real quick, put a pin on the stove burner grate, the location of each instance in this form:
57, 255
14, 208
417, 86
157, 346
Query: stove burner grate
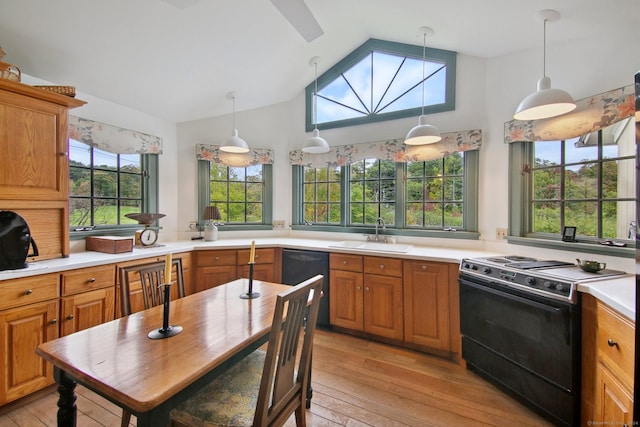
510, 258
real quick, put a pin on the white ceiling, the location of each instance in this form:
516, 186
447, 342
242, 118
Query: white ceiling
177, 59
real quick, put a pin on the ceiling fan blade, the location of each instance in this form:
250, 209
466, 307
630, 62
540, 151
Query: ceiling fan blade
299, 15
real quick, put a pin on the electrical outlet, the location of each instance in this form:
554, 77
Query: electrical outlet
278, 225
193, 226
501, 233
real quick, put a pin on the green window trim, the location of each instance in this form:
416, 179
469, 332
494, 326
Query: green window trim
448, 58
470, 218
267, 204
150, 192
520, 221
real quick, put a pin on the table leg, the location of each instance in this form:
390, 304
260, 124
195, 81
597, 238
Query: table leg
67, 410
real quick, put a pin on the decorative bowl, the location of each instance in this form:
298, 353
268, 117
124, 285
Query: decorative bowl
591, 266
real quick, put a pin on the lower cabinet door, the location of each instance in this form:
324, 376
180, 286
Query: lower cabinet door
383, 306
22, 330
614, 404
346, 300
82, 311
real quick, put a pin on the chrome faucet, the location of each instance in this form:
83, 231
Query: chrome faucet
380, 221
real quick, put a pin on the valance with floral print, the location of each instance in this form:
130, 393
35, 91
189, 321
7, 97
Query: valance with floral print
592, 113
255, 156
113, 139
394, 149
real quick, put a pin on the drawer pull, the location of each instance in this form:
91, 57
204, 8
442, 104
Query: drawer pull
423, 267
344, 262
612, 343
381, 266
91, 279
256, 256
28, 292
217, 258
53, 321
70, 317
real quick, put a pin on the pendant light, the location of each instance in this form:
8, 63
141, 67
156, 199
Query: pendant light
545, 102
424, 133
316, 144
234, 144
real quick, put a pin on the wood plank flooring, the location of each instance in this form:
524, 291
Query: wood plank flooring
356, 382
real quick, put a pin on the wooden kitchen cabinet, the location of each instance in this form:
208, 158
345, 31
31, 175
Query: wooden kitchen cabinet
215, 267
608, 351
426, 304
366, 294
263, 269
88, 298
28, 316
34, 178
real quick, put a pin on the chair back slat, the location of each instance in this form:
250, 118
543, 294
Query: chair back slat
283, 388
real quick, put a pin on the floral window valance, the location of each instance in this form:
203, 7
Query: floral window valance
255, 156
394, 149
592, 113
113, 139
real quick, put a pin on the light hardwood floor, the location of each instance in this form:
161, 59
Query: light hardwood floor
356, 382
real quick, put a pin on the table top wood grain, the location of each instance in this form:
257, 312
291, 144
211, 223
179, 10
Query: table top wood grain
119, 361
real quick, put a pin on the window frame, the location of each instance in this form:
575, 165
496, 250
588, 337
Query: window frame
470, 199
520, 216
393, 48
267, 203
149, 164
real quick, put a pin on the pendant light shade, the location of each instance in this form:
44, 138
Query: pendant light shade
233, 143
424, 133
316, 144
545, 102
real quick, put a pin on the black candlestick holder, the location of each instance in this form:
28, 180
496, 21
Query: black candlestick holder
250, 294
167, 330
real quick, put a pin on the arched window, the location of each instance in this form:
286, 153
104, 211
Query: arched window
380, 81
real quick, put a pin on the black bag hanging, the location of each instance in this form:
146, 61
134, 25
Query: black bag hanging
15, 240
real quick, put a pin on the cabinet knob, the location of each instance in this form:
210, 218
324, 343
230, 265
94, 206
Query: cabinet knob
358, 288
366, 288
28, 292
91, 279
217, 258
70, 317
344, 262
612, 343
256, 256
381, 266
424, 267
53, 321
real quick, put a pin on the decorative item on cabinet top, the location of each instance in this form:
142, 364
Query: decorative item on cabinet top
8, 71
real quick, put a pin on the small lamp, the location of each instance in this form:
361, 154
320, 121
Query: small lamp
210, 214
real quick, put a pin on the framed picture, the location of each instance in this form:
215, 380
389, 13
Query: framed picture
569, 234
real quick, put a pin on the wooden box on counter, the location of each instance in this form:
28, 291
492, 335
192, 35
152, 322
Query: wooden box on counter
109, 244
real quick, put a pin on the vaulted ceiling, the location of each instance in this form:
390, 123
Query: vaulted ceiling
177, 59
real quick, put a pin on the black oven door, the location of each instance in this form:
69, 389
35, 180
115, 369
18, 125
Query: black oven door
528, 344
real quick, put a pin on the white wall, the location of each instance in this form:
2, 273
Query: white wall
488, 92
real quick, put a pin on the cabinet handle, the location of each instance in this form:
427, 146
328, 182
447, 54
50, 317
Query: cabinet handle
358, 288
381, 266
424, 267
53, 321
612, 343
70, 317
28, 292
256, 257
91, 279
344, 262
366, 288
217, 258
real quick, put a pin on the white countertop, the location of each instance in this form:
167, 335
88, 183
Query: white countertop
619, 294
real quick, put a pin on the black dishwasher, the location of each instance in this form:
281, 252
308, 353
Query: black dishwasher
299, 265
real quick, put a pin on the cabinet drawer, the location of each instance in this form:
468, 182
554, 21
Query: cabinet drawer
383, 266
345, 262
17, 292
263, 256
214, 258
87, 279
616, 339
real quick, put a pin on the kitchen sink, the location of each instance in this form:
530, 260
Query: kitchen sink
372, 246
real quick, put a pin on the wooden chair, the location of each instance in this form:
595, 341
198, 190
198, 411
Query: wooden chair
264, 388
151, 277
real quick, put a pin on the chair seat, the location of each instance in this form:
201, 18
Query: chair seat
229, 400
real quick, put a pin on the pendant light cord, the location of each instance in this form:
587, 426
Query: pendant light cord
315, 98
544, 48
424, 57
233, 99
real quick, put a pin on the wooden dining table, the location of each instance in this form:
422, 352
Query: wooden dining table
149, 377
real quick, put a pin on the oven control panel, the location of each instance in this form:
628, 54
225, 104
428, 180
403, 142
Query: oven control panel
524, 280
